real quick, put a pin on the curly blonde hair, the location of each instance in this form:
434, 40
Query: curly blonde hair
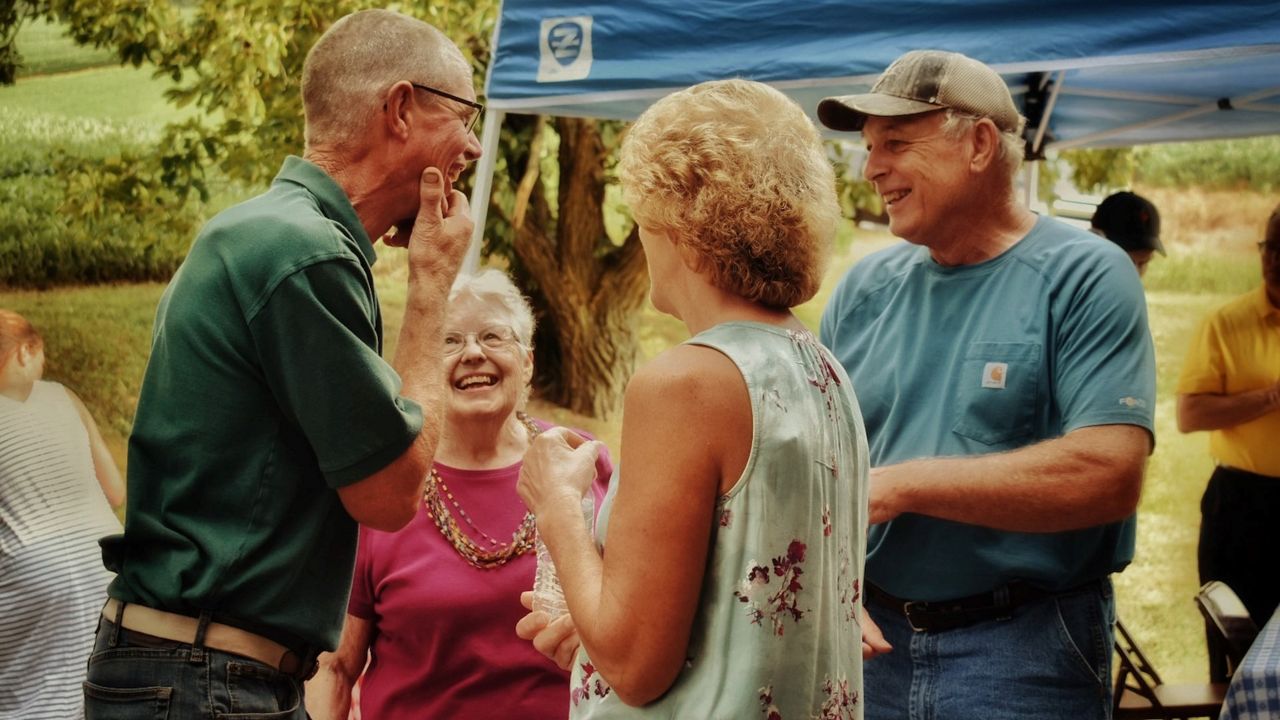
735, 172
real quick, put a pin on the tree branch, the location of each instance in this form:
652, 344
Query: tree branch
529, 180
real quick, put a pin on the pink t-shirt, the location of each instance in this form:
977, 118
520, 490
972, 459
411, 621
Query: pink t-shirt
444, 642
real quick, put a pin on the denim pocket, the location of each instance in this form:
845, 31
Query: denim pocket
259, 692
996, 399
145, 703
1082, 630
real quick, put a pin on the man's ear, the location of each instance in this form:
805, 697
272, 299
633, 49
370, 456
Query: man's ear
395, 110
986, 145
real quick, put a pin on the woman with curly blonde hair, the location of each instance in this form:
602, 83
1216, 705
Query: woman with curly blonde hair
734, 532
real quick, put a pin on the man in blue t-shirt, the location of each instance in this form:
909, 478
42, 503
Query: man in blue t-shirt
1007, 378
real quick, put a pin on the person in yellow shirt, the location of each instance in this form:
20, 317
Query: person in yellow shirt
1230, 386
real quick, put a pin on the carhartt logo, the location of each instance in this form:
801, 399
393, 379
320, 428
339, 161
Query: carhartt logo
1133, 402
565, 49
993, 375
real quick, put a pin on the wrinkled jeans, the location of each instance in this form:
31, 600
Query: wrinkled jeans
1050, 661
135, 677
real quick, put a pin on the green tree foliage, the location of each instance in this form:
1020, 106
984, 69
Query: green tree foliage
1245, 163
1098, 170
239, 63
858, 198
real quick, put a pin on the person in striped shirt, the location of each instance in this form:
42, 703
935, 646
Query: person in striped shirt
54, 472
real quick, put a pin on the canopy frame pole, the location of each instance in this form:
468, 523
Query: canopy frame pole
1048, 113
482, 187
1206, 108
1031, 176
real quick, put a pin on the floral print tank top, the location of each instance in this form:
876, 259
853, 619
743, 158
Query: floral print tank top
777, 634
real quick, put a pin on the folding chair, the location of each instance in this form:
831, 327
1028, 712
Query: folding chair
1229, 629
1140, 694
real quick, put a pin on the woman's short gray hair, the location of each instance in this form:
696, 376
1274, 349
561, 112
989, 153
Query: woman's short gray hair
494, 287
363, 54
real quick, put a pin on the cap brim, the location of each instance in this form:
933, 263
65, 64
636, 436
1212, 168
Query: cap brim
850, 112
1137, 243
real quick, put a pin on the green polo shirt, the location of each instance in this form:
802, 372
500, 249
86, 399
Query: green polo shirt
265, 391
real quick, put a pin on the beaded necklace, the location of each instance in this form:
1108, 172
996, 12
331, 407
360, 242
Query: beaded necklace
483, 558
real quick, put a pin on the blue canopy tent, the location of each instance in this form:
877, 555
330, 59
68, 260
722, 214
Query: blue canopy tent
1088, 73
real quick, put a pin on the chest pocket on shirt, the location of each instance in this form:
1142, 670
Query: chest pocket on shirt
996, 398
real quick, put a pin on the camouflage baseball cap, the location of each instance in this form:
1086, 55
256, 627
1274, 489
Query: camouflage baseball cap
925, 80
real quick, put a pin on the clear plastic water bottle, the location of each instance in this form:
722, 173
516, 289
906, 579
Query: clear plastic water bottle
548, 595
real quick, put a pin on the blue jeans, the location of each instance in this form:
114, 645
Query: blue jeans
133, 676
1051, 660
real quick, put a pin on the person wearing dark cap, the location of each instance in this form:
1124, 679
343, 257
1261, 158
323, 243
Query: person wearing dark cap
1230, 386
1007, 377
1132, 222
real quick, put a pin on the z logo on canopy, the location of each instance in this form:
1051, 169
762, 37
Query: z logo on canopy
565, 49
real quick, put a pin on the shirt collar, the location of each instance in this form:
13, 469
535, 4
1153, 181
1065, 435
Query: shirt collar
332, 200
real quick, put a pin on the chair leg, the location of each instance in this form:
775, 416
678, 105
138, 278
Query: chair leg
1218, 669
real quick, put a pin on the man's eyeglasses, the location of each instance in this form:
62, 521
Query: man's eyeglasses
476, 108
498, 337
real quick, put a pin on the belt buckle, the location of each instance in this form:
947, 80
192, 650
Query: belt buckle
910, 608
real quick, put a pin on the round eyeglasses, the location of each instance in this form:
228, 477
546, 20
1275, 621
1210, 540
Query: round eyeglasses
497, 337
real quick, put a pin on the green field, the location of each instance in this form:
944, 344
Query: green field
46, 48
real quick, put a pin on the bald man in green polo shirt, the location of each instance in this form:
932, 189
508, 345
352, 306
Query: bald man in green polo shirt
268, 423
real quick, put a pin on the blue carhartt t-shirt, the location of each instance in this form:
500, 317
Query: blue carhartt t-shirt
1048, 337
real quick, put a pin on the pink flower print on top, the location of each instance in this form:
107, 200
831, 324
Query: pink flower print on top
599, 688
783, 602
826, 521
840, 701
770, 710
825, 376
851, 594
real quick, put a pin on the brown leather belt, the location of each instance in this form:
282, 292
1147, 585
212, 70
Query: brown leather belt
217, 636
939, 615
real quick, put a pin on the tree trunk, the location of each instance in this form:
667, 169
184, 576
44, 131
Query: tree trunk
588, 290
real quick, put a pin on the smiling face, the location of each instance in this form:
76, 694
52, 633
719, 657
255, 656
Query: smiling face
452, 144
487, 373
920, 172
441, 138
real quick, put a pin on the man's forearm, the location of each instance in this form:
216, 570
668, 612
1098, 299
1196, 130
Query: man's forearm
1212, 411
1090, 477
419, 356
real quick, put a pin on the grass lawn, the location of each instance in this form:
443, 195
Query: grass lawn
97, 342
46, 48
120, 95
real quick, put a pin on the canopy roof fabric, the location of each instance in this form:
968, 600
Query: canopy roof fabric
1102, 72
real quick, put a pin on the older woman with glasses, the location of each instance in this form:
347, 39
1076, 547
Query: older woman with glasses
433, 606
